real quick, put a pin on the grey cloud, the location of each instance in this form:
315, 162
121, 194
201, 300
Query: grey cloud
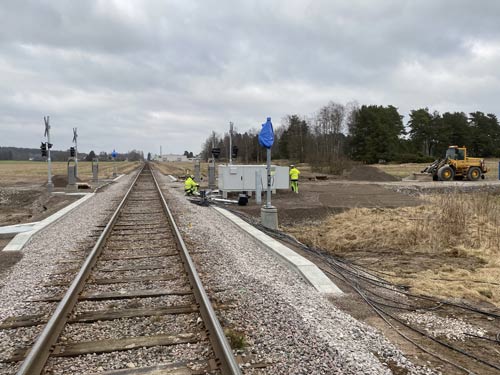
134, 74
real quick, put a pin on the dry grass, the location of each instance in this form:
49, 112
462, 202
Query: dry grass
180, 168
22, 172
454, 237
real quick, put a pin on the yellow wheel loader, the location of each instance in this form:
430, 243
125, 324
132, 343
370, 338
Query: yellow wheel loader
457, 165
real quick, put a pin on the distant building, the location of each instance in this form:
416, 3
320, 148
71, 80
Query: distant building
173, 157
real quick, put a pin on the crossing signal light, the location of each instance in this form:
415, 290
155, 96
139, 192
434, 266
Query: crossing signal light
216, 152
49, 145
43, 149
234, 151
72, 152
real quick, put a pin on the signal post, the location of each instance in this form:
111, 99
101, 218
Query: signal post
45, 149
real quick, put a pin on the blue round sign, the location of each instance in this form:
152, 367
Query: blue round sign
113, 154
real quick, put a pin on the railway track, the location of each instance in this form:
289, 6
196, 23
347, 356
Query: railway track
137, 302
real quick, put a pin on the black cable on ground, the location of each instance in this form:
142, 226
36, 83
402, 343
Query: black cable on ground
341, 266
497, 339
377, 306
328, 257
496, 367
402, 334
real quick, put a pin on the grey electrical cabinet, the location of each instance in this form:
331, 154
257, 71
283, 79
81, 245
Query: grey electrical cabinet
234, 178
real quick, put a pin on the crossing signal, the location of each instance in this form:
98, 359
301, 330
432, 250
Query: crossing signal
49, 145
216, 152
43, 149
234, 152
72, 152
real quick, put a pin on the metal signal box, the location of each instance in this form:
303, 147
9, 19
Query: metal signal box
237, 178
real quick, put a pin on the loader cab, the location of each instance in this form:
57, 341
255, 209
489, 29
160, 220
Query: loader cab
455, 153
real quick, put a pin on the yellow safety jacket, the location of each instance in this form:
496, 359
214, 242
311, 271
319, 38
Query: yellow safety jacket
189, 183
294, 174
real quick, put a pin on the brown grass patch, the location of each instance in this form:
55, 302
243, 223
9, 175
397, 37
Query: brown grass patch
236, 338
20, 172
179, 169
449, 247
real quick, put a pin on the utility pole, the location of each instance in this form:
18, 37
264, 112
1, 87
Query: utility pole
230, 143
161, 158
211, 164
50, 185
75, 136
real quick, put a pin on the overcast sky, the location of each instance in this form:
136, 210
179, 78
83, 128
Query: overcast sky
140, 74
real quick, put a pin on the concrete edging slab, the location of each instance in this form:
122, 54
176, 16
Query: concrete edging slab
307, 269
18, 242
17, 228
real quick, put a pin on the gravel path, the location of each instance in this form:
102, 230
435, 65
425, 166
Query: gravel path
285, 322
46, 253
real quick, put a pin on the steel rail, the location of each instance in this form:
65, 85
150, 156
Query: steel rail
37, 357
222, 349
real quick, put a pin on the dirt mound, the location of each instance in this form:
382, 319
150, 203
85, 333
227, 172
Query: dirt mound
60, 180
368, 173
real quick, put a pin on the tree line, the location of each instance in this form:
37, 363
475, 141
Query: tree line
337, 134
20, 153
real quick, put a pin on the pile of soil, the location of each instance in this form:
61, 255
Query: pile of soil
60, 180
18, 205
368, 173
7, 259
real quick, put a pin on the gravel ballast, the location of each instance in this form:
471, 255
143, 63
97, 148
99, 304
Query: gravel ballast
285, 321
46, 254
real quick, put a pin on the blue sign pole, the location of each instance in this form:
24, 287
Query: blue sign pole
266, 139
113, 155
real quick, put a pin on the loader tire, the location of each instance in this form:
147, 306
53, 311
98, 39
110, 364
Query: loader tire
474, 173
446, 173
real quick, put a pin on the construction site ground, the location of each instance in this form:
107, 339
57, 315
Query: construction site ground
363, 218
313, 215
366, 216
371, 217
24, 197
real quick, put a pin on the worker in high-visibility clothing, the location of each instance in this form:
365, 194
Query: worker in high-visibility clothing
294, 178
190, 186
